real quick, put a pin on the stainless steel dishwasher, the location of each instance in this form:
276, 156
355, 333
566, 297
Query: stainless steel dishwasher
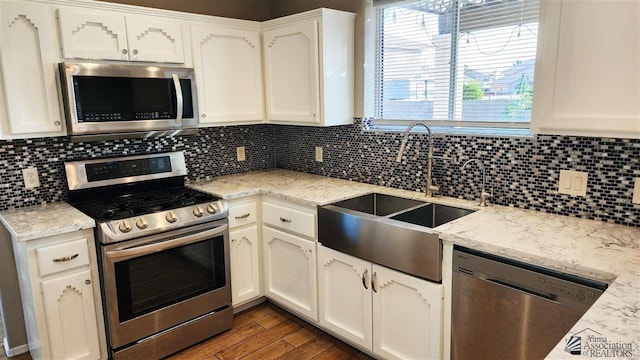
505, 309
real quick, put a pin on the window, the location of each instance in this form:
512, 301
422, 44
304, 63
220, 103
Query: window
456, 62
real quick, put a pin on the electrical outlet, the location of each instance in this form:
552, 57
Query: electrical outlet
241, 153
636, 192
319, 154
31, 179
573, 183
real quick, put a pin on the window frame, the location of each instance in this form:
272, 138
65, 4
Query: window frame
377, 123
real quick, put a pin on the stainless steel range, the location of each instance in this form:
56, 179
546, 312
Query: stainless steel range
163, 252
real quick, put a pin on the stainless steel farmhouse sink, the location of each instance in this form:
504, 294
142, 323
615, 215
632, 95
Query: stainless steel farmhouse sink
388, 230
378, 204
432, 215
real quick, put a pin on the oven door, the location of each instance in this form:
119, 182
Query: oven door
155, 283
108, 99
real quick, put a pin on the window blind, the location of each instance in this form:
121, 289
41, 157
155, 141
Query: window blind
456, 60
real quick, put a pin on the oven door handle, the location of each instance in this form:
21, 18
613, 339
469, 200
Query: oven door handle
179, 99
164, 245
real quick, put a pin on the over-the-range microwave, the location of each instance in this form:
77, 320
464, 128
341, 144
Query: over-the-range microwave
118, 101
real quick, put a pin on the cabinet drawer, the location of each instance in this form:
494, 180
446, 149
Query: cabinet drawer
293, 220
56, 258
242, 214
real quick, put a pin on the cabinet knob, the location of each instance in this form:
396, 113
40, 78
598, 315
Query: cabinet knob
88, 282
57, 123
135, 51
204, 116
125, 51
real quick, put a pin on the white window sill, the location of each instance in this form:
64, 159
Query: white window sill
451, 130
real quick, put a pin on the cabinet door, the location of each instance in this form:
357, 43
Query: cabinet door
407, 316
94, 35
290, 271
154, 39
228, 68
292, 73
587, 74
344, 286
245, 265
71, 316
29, 70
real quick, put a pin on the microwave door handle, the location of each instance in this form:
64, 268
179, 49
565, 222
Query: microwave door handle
179, 99
164, 245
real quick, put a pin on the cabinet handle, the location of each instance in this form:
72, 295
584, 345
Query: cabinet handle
243, 216
204, 116
57, 123
65, 258
364, 276
88, 282
135, 51
125, 51
373, 282
285, 220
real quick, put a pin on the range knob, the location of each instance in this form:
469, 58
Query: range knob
142, 223
198, 211
212, 209
125, 226
171, 217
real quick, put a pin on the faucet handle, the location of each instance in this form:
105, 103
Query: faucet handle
434, 189
484, 196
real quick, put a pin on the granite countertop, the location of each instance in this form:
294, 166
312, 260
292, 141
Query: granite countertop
596, 250
41, 221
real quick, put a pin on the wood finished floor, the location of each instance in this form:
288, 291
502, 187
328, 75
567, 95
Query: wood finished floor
265, 332
268, 332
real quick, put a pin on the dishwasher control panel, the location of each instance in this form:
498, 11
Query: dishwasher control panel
534, 280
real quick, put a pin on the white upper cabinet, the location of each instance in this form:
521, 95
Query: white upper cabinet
30, 105
228, 68
308, 61
292, 78
93, 35
587, 73
100, 35
154, 39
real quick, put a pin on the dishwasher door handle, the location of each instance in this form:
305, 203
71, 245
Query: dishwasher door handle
546, 296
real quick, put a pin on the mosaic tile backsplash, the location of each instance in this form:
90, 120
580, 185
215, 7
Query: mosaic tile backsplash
521, 172
210, 153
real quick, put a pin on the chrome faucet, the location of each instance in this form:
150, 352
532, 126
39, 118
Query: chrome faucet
431, 188
484, 195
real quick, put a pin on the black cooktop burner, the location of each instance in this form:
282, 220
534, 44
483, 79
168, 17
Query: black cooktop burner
130, 205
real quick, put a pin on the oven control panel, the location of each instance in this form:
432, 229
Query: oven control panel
148, 224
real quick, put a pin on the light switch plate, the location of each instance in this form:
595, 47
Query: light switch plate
636, 192
319, 157
31, 179
241, 153
573, 182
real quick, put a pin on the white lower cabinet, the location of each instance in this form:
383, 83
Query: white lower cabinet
61, 299
344, 286
395, 315
290, 271
69, 307
245, 265
407, 316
